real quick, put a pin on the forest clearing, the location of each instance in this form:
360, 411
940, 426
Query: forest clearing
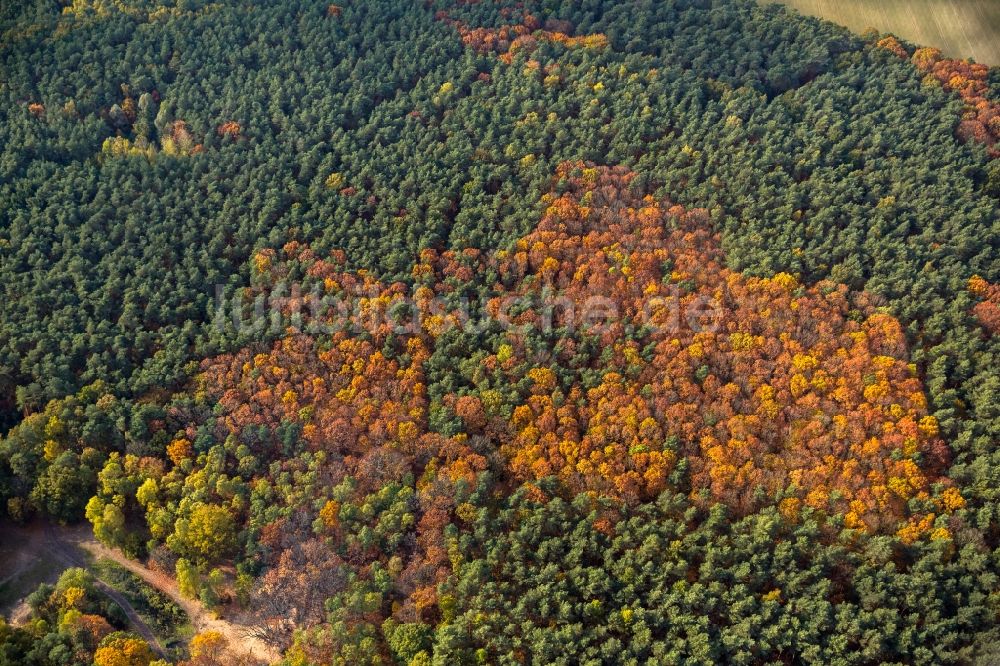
39, 553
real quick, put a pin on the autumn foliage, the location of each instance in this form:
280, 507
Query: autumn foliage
784, 388
349, 396
981, 118
893, 45
508, 40
765, 386
123, 650
230, 128
360, 401
987, 310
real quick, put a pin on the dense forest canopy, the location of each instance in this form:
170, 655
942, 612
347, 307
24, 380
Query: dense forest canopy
808, 476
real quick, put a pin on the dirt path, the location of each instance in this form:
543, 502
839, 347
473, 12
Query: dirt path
235, 634
69, 556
